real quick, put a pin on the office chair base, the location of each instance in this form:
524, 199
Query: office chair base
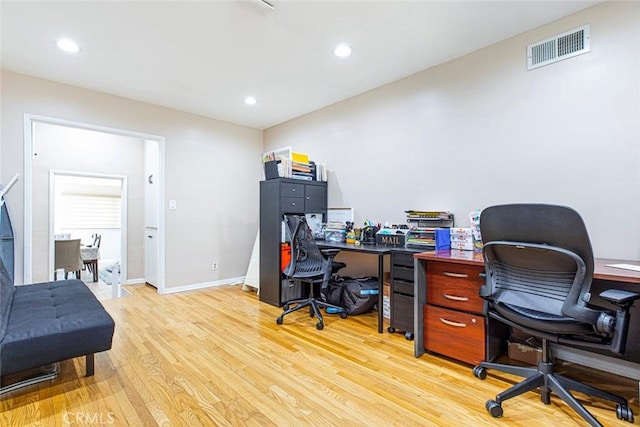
547, 381
314, 305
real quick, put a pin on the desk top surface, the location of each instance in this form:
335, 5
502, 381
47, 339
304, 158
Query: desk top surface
601, 270
371, 249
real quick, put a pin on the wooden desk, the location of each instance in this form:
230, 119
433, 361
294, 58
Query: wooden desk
604, 277
378, 250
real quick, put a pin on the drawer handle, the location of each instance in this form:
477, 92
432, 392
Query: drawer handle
455, 298
461, 275
450, 323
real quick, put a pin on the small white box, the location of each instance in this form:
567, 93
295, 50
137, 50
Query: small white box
464, 246
462, 239
461, 232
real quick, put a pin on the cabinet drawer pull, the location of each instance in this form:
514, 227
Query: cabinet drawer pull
455, 298
461, 275
450, 323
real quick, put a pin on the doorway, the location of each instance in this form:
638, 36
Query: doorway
92, 208
81, 157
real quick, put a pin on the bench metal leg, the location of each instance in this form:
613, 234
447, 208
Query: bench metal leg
89, 362
49, 372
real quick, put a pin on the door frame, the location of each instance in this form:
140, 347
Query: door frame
116, 289
29, 143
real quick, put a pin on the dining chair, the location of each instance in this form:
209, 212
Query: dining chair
67, 257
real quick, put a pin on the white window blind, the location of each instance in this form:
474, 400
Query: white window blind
89, 211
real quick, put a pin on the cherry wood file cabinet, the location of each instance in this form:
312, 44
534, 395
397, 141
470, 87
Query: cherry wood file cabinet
449, 310
453, 321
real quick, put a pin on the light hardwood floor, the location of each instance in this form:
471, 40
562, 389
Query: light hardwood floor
217, 357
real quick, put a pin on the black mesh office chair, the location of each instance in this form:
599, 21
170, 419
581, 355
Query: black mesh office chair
539, 267
312, 265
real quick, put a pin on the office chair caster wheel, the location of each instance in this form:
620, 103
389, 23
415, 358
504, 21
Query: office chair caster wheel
494, 408
408, 336
319, 326
480, 372
624, 413
343, 314
285, 307
391, 329
279, 320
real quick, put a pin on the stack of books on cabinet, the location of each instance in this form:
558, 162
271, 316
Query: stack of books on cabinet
423, 226
302, 168
294, 165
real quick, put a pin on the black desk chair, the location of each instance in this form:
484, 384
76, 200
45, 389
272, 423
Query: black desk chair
539, 267
311, 265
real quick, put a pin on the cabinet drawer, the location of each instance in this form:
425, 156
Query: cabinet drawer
402, 313
402, 287
454, 334
403, 273
455, 286
292, 204
402, 259
288, 189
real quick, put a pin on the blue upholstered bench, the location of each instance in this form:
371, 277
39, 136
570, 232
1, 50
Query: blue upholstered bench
45, 323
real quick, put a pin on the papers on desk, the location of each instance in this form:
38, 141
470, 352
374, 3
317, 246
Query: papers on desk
625, 266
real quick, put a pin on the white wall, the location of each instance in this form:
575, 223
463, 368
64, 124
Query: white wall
79, 150
212, 169
481, 130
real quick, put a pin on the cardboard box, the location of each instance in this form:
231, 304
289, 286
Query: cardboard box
525, 353
386, 303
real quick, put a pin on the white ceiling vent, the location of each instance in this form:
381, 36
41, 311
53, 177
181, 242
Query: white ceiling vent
559, 47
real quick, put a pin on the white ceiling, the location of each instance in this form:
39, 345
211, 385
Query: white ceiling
205, 57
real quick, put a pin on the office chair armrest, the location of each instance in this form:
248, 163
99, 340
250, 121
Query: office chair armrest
330, 253
620, 297
623, 300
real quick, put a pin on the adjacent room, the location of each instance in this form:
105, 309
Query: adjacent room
258, 212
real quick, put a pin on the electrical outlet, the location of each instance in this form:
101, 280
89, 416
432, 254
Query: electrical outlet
214, 265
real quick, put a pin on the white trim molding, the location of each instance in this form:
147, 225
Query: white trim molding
203, 285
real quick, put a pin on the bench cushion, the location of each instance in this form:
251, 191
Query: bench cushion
53, 321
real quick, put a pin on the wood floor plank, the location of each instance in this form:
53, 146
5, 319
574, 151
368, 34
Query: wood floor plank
217, 357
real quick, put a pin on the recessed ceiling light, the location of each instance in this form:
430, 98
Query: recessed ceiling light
250, 100
68, 45
342, 50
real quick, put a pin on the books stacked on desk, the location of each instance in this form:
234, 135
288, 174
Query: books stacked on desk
423, 225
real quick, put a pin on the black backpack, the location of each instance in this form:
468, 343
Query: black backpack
356, 296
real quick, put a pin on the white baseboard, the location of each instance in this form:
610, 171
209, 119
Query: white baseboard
613, 365
231, 281
135, 281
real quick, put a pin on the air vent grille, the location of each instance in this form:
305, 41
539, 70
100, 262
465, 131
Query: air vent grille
559, 47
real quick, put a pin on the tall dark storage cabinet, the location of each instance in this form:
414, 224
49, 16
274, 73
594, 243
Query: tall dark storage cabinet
279, 197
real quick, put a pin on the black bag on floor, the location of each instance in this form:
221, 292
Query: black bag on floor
356, 296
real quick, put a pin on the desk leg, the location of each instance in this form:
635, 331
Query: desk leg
380, 290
